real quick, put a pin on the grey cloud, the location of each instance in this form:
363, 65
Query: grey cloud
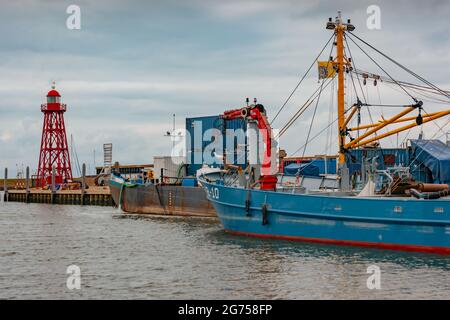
134, 63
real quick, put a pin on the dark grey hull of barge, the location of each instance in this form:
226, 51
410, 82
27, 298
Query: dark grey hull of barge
162, 200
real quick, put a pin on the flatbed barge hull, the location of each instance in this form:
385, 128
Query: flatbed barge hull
162, 200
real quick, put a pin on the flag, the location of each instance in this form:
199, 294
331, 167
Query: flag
326, 69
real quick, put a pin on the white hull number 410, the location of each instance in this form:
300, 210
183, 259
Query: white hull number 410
214, 193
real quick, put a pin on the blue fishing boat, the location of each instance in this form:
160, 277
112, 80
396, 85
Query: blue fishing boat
391, 223
386, 208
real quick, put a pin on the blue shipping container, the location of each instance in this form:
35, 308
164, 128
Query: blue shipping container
202, 146
384, 158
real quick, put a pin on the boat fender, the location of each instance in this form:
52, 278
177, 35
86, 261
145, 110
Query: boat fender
264, 215
247, 204
161, 203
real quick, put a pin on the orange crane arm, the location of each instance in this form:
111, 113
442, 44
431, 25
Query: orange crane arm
258, 114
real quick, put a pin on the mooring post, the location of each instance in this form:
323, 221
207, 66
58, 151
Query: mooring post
27, 185
52, 198
83, 183
5, 186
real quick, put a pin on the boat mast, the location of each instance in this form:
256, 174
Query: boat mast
340, 63
340, 93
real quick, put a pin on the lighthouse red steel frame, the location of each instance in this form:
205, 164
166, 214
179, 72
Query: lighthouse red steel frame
54, 150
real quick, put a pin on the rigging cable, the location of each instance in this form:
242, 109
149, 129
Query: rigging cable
330, 118
401, 66
405, 138
382, 113
378, 65
319, 133
404, 83
360, 86
440, 128
313, 117
302, 109
317, 103
354, 65
427, 97
301, 80
75, 155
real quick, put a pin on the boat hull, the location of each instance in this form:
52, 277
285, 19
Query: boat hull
400, 224
162, 200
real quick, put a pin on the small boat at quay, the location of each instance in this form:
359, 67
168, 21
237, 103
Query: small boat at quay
386, 209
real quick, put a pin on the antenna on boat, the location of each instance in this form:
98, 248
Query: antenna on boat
338, 18
172, 134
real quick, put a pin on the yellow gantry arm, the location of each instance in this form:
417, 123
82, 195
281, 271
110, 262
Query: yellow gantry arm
367, 126
350, 116
430, 117
380, 126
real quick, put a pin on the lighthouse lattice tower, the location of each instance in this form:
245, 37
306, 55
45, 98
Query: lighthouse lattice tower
54, 151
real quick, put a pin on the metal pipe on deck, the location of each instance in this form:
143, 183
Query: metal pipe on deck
5, 186
83, 183
27, 185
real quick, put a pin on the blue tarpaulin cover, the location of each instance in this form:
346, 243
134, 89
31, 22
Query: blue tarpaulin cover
306, 169
435, 155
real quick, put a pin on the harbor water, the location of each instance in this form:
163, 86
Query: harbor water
150, 257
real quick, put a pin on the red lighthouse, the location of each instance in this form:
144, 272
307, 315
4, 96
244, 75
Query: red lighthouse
54, 151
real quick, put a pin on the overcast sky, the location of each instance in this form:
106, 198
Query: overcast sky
134, 63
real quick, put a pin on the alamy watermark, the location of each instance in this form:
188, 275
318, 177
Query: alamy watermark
73, 22
73, 281
374, 19
217, 147
374, 280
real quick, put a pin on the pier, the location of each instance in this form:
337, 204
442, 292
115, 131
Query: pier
86, 195
96, 197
